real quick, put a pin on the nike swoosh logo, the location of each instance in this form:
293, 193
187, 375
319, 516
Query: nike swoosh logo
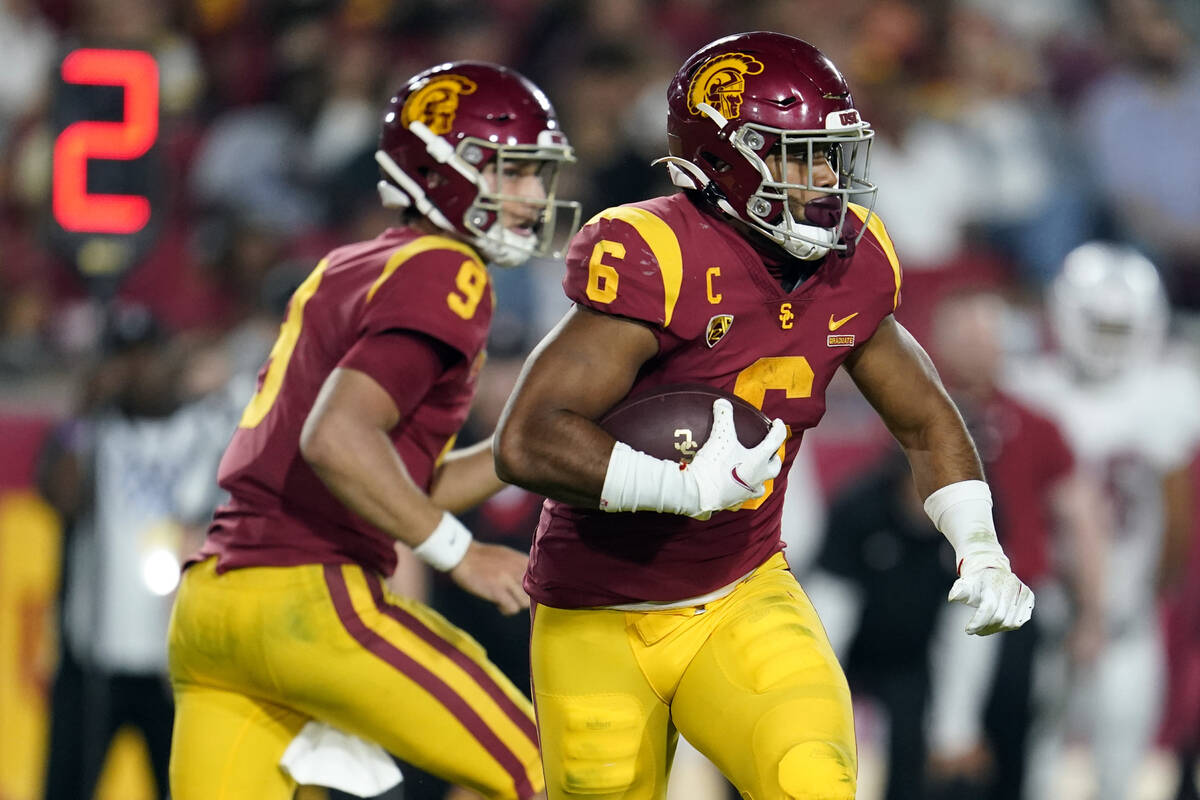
834, 324
738, 480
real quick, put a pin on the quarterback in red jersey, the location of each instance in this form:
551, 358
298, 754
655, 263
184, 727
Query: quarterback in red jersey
761, 278
283, 628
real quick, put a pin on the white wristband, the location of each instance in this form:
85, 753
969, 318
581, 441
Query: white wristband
962, 511
446, 546
636, 481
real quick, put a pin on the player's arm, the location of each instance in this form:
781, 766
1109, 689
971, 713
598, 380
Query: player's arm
1178, 510
61, 472
345, 440
1079, 509
548, 442
465, 478
897, 377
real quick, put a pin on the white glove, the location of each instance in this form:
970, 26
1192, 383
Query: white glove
962, 511
725, 473
1001, 600
722, 475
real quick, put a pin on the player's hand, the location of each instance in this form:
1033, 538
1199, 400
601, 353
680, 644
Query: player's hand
494, 573
973, 765
725, 473
1001, 600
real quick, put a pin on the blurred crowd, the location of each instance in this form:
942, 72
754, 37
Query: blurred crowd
1008, 133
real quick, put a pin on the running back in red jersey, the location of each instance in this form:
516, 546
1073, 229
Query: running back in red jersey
673, 422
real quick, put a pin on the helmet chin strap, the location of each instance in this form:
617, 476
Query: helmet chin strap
412, 193
391, 197
808, 251
682, 172
796, 236
503, 247
499, 245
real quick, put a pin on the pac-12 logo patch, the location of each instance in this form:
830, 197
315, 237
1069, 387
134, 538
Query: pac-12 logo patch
721, 81
718, 326
436, 103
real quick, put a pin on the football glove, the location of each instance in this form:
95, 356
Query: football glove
962, 511
1001, 600
724, 474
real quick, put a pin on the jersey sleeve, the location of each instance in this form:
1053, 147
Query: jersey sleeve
626, 262
876, 236
442, 293
404, 363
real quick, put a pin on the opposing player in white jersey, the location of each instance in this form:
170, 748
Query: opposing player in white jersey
1131, 411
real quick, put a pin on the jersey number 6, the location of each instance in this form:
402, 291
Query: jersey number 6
791, 374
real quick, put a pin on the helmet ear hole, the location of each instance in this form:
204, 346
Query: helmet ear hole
674, 145
717, 163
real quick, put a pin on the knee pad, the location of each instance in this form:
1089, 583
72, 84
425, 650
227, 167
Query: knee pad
600, 744
817, 770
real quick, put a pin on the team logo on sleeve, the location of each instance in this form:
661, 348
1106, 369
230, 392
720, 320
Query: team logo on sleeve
436, 103
721, 81
718, 326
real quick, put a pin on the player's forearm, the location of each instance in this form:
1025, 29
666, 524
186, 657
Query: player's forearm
559, 454
359, 465
940, 455
1080, 506
898, 379
1178, 510
465, 478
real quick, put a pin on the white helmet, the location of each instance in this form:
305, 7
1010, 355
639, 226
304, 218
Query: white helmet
1109, 309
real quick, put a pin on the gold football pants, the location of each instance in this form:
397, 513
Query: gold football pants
255, 653
749, 679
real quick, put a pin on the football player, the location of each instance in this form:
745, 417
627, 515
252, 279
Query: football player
979, 719
1131, 412
760, 278
283, 617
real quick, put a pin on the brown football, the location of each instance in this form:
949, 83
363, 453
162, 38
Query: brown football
672, 422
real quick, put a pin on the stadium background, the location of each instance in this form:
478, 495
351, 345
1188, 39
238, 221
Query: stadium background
995, 156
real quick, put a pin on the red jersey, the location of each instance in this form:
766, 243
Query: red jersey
1024, 455
720, 319
280, 513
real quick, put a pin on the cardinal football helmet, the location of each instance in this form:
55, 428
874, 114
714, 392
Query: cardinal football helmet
744, 98
446, 127
1108, 309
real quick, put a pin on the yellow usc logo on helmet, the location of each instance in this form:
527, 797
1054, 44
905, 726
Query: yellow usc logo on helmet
436, 103
720, 82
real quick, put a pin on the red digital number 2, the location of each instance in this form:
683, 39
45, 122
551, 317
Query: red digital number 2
74, 208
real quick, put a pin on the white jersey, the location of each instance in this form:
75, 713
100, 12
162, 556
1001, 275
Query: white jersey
1129, 431
152, 476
